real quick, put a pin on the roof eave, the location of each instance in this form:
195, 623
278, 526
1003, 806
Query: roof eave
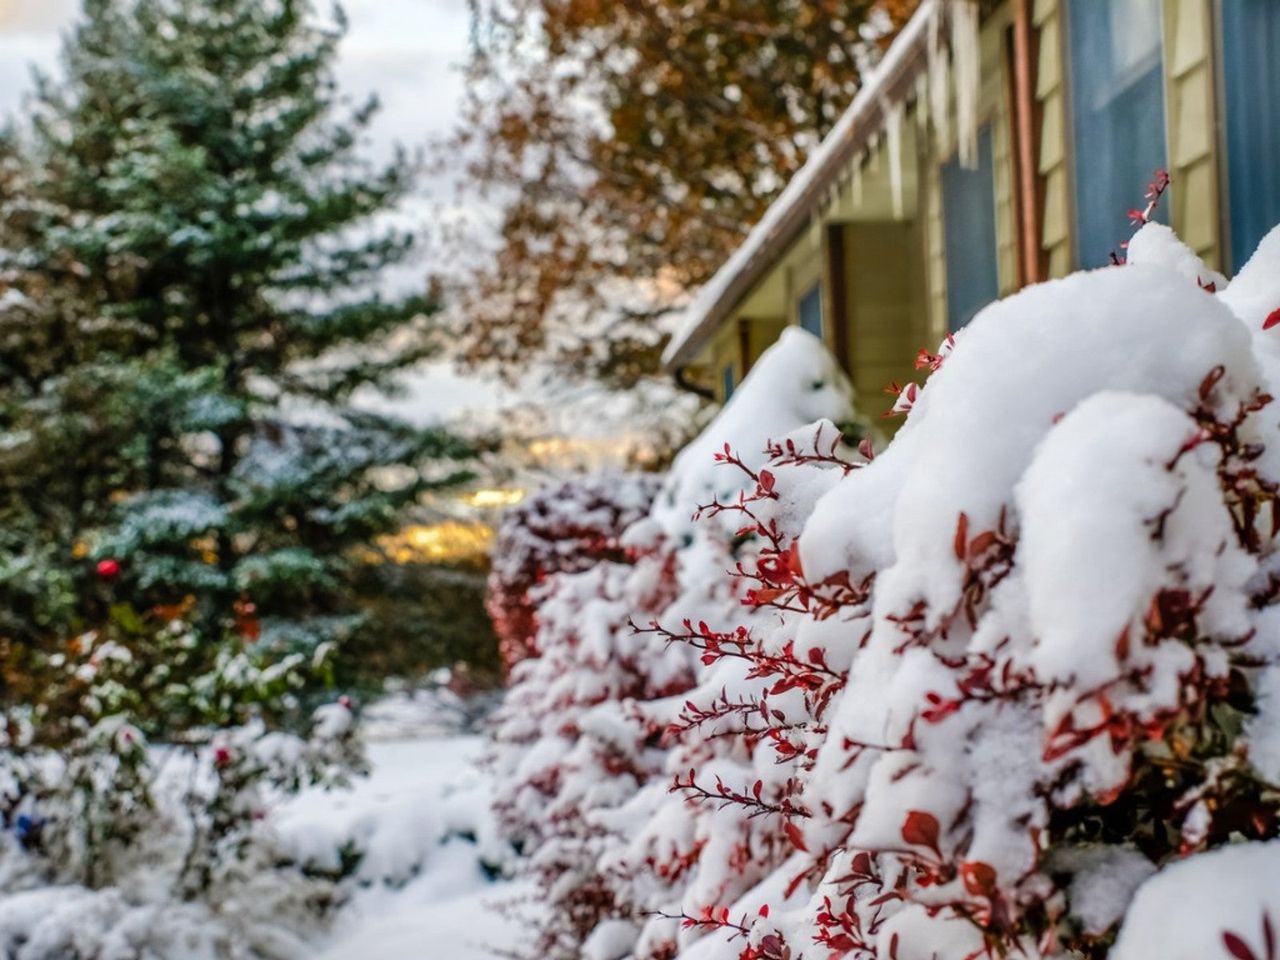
792, 211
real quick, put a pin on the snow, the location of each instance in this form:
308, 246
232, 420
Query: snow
795, 382
1090, 498
1055, 610
1184, 911
967, 58
1103, 882
1021, 363
422, 882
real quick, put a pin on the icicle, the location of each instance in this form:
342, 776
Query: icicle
921, 98
964, 51
939, 70
857, 179
893, 128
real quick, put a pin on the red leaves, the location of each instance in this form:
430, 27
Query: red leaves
961, 542
1155, 189
1212, 378
979, 878
1237, 947
1273, 318
938, 709
1122, 645
906, 400
920, 829
795, 835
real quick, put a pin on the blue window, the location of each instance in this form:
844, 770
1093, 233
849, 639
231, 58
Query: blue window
969, 231
1117, 114
811, 310
1251, 86
726, 381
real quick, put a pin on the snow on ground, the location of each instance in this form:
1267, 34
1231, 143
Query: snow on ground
422, 816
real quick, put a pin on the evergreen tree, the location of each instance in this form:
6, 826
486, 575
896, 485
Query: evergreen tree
188, 300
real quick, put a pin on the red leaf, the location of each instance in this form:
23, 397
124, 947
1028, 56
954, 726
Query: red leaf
795, 835
793, 559
1272, 319
962, 535
982, 542
1122, 645
920, 829
1237, 947
764, 909
979, 878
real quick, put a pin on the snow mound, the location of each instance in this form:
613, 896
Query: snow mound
795, 382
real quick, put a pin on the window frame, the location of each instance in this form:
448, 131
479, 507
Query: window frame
1070, 157
986, 126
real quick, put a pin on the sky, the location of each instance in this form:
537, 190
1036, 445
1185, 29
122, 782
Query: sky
406, 51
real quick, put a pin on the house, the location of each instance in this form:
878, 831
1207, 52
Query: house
997, 144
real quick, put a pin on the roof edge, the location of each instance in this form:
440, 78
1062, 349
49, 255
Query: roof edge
787, 216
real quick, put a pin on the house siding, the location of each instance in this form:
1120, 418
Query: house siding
1051, 95
1191, 123
893, 256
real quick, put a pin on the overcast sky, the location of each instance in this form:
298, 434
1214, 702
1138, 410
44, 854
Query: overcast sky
406, 51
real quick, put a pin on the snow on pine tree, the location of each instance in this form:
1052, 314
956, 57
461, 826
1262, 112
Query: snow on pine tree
190, 253
193, 185
1006, 688
582, 726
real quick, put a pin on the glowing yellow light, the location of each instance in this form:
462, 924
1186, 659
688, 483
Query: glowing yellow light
447, 540
494, 498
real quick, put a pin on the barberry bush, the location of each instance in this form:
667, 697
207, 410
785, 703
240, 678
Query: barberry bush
1007, 687
566, 527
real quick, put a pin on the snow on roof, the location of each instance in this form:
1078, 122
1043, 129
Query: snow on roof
787, 216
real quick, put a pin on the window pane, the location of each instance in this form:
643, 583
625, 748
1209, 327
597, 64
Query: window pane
726, 382
1117, 112
969, 231
811, 311
1251, 75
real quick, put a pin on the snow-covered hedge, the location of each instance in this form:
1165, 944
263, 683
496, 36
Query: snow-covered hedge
1008, 688
564, 528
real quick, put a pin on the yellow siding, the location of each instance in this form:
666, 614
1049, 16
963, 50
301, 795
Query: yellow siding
722, 352
1189, 94
935, 253
887, 301
993, 109
1055, 236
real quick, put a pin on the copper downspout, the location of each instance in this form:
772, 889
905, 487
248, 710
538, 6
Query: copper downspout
1029, 192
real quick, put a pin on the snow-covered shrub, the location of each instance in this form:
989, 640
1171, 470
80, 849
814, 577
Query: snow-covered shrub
134, 792
564, 528
576, 737
1003, 689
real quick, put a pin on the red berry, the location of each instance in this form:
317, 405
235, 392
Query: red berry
221, 756
108, 568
